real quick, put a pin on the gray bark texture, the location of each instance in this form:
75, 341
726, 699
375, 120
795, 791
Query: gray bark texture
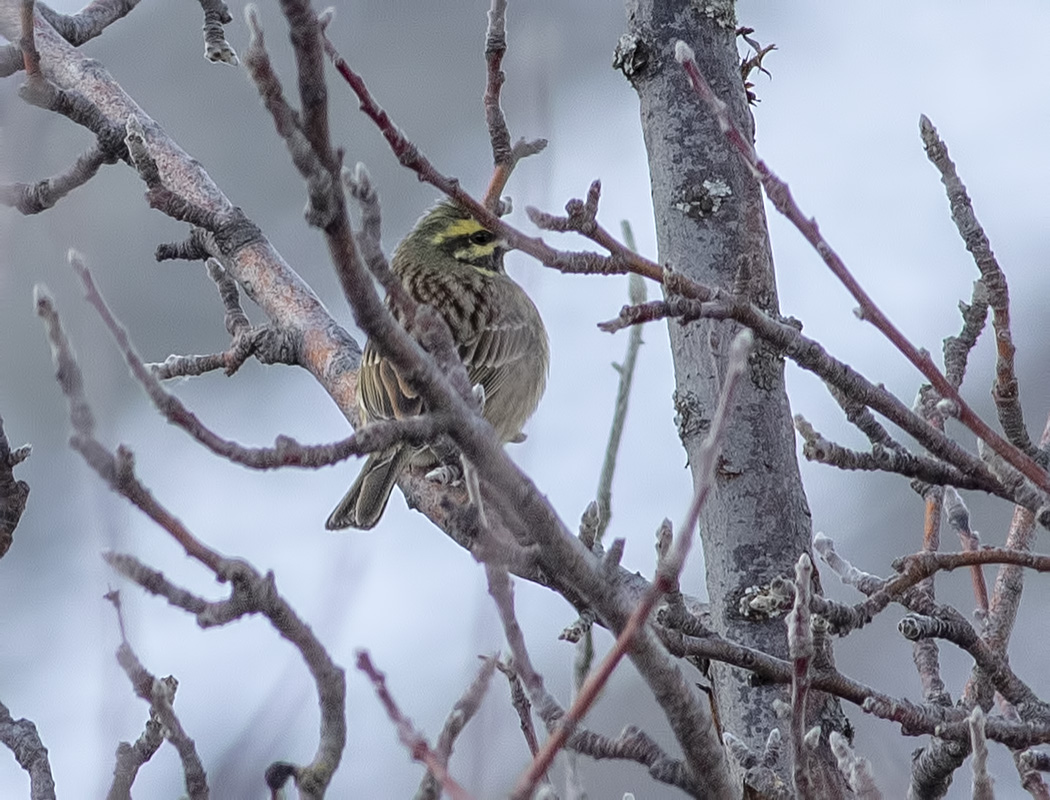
711, 226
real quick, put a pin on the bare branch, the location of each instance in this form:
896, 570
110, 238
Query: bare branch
636, 289
13, 493
504, 157
632, 744
325, 203
675, 307
925, 652
131, 757
41, 92
33, 198
252, 593
268, 344
1005, 389
160, 694
780, 196
865, 582
786, 338
286, 452
1009, 582
953, 627
89, 22
759, 775
666, 579
958, 517
520, 701
1029, 764
410, 738
883, 459
957, 348
462, 712
21, 738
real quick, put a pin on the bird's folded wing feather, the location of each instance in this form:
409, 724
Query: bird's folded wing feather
490, 356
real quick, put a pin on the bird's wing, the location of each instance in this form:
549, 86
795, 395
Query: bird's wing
382, 393
490, 355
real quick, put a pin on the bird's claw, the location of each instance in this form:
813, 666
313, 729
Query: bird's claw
445, 475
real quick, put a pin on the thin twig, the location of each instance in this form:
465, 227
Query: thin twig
216, 48
953, 627
1009, 582
856, 770
409, 736
504, 156
252, 592
925, 652
632, 744
665, 580
287, 451
160, 694
958, 516
884, 459
462, 712
1005, 389
520, 702
636, 290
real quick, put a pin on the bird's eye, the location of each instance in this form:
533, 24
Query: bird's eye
482, 237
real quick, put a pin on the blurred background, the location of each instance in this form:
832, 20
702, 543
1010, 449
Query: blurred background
838, 120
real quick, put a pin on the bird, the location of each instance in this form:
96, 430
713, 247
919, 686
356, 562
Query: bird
453, 263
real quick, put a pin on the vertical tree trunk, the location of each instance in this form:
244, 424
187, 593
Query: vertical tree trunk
711, 225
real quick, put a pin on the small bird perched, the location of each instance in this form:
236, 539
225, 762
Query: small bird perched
451, 262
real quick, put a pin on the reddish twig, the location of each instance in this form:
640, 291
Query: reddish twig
780, 196
409, 736
409, 156
665, 580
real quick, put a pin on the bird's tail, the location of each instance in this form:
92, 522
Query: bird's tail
363, 504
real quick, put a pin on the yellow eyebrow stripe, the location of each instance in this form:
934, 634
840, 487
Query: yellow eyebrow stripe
461, 227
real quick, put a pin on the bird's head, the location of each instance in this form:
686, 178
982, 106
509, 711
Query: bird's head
453, 232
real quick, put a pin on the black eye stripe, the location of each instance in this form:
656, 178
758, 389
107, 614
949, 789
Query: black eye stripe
465, 241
